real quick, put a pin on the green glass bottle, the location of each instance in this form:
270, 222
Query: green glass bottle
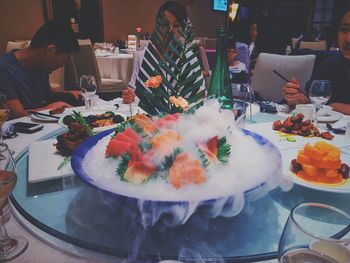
220, 85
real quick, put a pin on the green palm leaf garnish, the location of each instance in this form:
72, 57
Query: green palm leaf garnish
176, 62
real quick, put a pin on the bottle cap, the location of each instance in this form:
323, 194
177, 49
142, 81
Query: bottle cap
221, 30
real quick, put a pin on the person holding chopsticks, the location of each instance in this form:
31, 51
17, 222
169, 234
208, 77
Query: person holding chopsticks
335, 69
24, 74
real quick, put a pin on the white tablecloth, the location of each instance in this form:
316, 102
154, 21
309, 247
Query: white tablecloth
116, 66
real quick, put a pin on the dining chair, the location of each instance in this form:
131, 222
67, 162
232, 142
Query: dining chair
315, 45
12, 45
84, 63
268, 85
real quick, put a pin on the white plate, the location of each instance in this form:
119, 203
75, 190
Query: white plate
289, 154
98, 129
330, 116
45, 118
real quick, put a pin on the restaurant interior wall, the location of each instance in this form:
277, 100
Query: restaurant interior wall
121, 18
19, 20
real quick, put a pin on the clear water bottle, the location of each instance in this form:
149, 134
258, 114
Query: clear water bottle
288, 50
220, 84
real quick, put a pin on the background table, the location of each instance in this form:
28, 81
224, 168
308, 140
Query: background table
116, 66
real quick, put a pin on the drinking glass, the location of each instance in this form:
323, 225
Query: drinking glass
319, 94
10, 247
315, 233
88, 89
4, 114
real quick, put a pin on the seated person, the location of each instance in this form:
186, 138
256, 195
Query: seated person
176, 15
335, 69
245, 34
233, 63
24, 74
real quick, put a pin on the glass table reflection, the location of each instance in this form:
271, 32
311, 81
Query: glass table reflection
77, 213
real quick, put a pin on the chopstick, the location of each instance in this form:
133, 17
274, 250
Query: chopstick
286, 80
130, 109
43, 114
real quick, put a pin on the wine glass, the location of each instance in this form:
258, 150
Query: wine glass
4, 114
10, 247
319, 94
315, 233
88, 89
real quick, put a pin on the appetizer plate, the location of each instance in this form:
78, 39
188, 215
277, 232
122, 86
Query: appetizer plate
45, 118
41, 118
97, 129
289, 154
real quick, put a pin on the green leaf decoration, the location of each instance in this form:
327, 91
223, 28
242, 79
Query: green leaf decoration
123, 166
139, 130
224, 150
65, 161
169, 160
204, 159
176, 61
144, 147
79, 118
120, 128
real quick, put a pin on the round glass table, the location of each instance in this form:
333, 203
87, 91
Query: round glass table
77, 213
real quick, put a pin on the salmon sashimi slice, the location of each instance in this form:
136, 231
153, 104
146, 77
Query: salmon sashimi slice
186, 170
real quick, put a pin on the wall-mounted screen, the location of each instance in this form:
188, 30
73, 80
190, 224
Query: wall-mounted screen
220, 5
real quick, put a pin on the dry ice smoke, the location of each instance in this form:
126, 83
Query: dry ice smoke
253, 169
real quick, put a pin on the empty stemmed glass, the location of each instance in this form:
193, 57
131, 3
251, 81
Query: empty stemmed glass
319, 94
10, 247
88, 89
315, 233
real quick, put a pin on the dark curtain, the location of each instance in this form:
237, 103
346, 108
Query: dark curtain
273, 36
90, 20
64, 10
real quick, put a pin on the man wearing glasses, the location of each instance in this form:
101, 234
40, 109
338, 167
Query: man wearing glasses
335, 69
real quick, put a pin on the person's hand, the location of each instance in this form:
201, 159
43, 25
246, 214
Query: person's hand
292, 94
76, 94
231, 57
58, 104
128, 95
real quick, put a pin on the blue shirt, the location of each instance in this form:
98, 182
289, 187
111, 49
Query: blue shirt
31, 88
243, 54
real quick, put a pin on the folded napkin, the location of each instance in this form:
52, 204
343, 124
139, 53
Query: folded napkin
44, 162
283, 108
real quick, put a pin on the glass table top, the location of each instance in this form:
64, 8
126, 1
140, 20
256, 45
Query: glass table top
77, 213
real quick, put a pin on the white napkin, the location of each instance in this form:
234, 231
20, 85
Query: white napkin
43, 162
283, 108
